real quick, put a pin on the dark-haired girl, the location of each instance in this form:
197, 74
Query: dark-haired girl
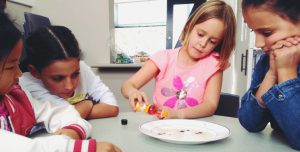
57, 74
275, 88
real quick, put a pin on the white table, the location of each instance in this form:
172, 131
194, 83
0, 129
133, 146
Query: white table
130, 139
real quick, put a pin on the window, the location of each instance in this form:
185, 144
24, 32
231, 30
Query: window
141, 28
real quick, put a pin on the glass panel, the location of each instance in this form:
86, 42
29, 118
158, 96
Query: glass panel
181, 13
141, 13
140, 29
133, 40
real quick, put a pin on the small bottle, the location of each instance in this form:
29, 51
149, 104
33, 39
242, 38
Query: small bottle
150, 109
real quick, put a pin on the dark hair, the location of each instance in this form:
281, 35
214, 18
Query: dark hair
9, 35
289, 9
2, 4
49, 44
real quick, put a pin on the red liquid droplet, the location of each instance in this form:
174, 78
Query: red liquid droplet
152, 110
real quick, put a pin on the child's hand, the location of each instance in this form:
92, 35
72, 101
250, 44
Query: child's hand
295, 47
137, 96
68, 132
272, 73
287, 57
171, 113
107, 147
84, 108
287, 52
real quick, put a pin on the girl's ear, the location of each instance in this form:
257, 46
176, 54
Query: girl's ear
33, 71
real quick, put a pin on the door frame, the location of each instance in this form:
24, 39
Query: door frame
170, 8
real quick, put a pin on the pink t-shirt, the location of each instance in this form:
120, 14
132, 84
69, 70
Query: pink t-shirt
180, 87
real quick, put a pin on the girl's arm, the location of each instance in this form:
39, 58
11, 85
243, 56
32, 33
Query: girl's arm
14, 142
60, 117
88, 110
284, 60
287, 58
252, 115
130, 88
106, 103
283, 99
209, 104
106, 111
269, 80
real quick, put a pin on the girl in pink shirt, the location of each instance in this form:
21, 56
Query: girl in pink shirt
189, 79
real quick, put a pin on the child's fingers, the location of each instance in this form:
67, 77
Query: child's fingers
159, 107
277, 46
297, 39
132, 101
137, 97
287, 43
132, 105
145, 98
117, 149
140, 98
292, 40
58, 132
280, 44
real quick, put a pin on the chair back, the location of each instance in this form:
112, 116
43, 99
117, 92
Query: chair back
34, 22
31, 24
228, 105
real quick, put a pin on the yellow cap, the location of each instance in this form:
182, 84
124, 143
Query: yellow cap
164, 114
142, 107
138, 107
147, 106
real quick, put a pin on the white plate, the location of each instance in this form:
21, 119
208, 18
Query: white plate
184, 131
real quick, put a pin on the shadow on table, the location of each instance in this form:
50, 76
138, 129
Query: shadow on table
279, 137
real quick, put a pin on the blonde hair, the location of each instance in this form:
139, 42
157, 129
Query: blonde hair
219, 10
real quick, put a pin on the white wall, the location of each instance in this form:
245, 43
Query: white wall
16, 12
89, 21
242, 44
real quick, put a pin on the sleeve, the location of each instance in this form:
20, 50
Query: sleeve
57, 143
162, 59
251, 114
283, 102
38, 91
55, 117
97, 90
